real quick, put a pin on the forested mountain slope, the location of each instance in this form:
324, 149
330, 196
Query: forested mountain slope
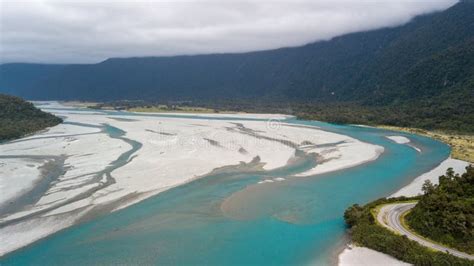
428, 62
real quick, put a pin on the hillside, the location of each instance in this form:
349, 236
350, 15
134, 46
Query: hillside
18, 118
425, 67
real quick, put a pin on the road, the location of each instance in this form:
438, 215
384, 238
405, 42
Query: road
389, 216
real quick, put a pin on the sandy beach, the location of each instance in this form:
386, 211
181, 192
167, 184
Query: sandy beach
414, 188
358, 256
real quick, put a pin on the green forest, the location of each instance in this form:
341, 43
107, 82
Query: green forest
19, 118
445, 213
429, 114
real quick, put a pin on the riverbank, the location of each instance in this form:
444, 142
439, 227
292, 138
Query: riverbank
353, 255
142, 107
377, 225
414, 188
166, 109
404, 239
462, 145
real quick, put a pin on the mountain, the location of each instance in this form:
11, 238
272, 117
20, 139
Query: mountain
428, 60
23, 79
18, 118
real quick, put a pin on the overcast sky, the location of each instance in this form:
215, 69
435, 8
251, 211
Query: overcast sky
90, 31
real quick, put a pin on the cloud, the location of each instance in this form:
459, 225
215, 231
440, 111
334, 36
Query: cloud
90, 31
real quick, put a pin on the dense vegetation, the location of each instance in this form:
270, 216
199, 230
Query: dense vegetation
18, 118
426, 114
365, 232
419, 74
445, 213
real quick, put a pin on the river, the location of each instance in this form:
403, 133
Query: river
225, 219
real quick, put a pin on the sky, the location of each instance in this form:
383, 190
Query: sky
73, 31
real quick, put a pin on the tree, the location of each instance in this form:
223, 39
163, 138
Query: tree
428, 187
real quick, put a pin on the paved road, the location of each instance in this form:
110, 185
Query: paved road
389, 216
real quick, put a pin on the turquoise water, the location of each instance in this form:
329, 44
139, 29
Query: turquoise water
297, 221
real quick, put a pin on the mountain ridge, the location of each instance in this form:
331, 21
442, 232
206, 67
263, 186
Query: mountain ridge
428, 60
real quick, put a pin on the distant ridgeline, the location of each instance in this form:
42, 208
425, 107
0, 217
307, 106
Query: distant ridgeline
419, 74
18, 118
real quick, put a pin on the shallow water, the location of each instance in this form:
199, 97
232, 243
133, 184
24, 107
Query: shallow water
295, 221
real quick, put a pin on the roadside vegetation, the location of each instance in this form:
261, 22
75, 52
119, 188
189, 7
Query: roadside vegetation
445, 213
19, 118
365, 231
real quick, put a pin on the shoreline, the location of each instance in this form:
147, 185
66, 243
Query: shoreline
352, 254
363, 254
414, 187
193, 111
328, 168
462, 145
223, 115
